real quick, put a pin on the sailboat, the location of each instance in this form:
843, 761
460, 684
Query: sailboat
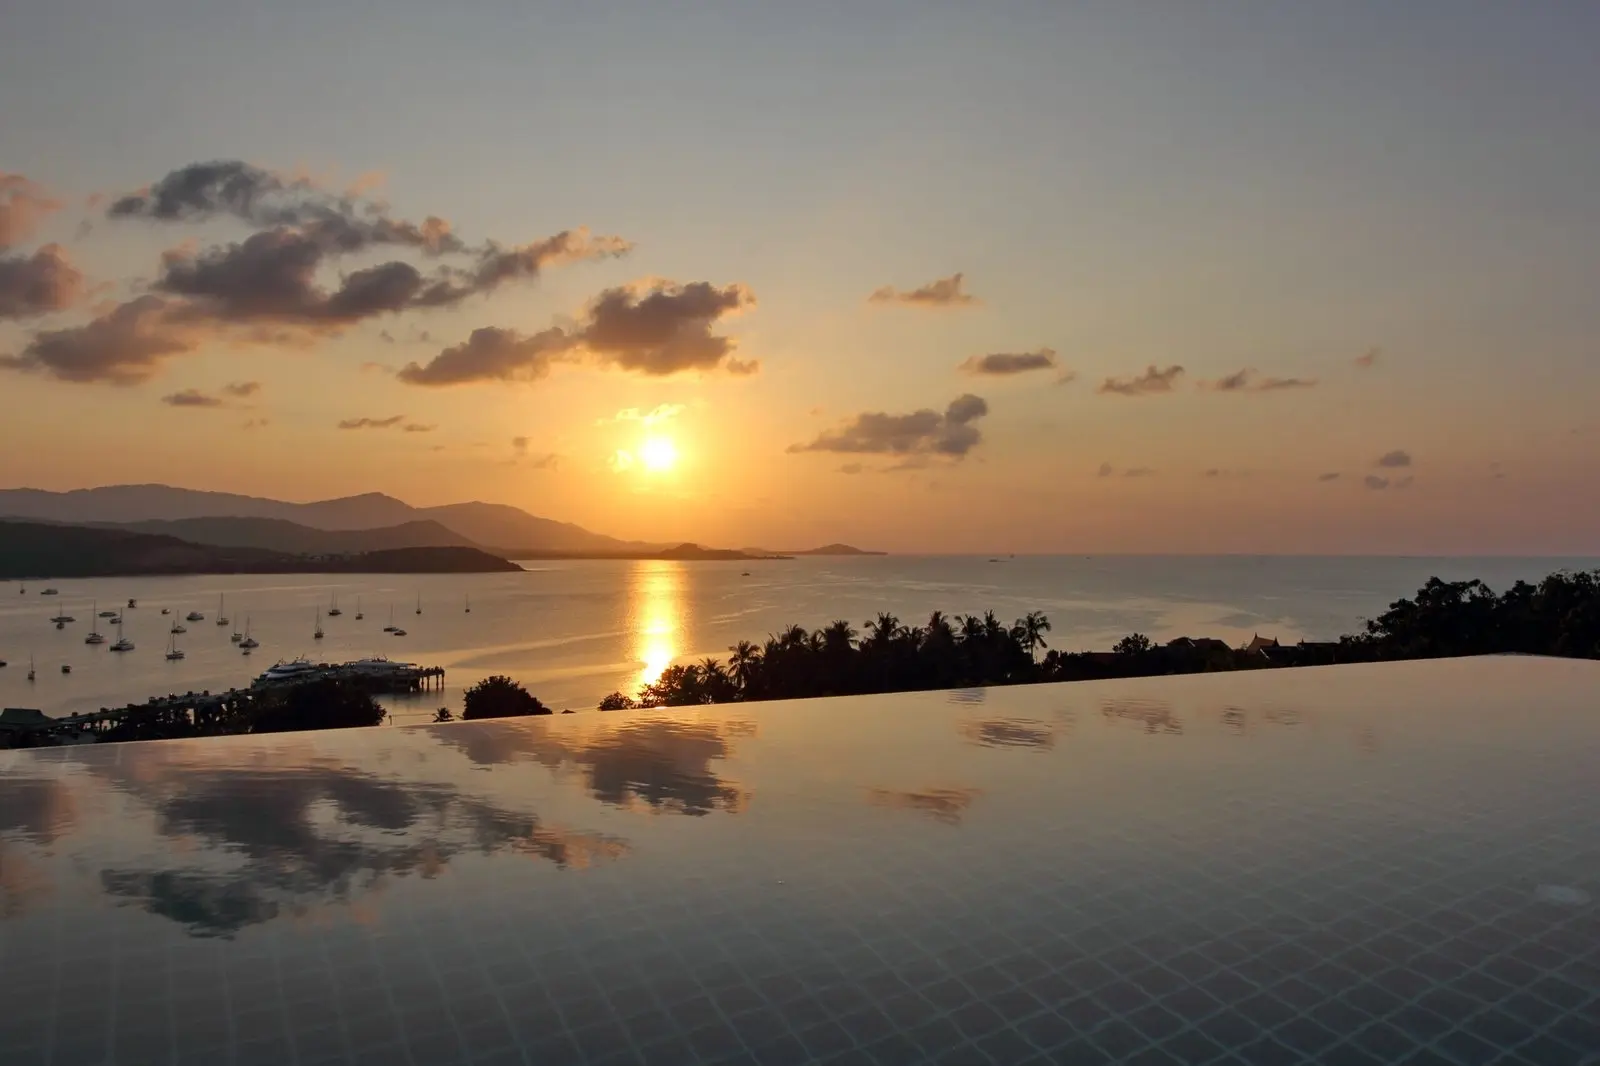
178, 627
419, 603
318, 634
359, 615
173, 651
222, 619
248, 642
30, 667
334, 612
94, 636
123, 643
390, 627
62, 618
469, 604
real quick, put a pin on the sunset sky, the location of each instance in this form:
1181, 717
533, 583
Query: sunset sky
1026, 277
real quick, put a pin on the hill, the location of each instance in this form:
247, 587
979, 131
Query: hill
277, 534
484, 524
31, 549
826, 549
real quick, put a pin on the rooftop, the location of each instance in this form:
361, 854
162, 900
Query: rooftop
1332, 864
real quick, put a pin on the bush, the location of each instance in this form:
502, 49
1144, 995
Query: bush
327, 704
500, 697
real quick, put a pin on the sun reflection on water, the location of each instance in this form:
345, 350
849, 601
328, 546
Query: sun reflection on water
658, 611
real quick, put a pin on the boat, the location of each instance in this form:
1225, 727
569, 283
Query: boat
359, 615
63, 619
49, 592
398, 632
317, 633
419, 603
165, 611
248, 642
132, 602
123, 643
94, 636
235, 638
222, 619
194, 616
745, 574
30, 668
390, 627
174, 652
61, 625
178, 627
289, 671
112, 614
334, 612
65, 669
469, 605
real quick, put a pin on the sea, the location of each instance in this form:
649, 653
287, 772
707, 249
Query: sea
574, 631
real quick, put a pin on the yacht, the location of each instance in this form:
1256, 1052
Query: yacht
222, 619
236, 637
334, 612
94, 636
178, 627
123, 643
390, 627
289, 671
62, 619
49, 592
317, 633
248, 642
65, 669
195, 616
165, 611
173, 651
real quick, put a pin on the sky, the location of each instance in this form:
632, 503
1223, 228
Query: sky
938, 277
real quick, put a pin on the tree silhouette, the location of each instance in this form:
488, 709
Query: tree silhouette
499, 697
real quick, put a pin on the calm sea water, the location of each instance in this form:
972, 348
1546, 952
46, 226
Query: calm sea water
573, 632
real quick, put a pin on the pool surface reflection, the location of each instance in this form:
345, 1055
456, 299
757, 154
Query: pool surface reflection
1341, 865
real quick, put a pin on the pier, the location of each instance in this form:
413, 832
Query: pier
206, 713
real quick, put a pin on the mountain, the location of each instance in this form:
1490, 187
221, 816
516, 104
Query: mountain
487, 524
278, 534
826, 549
32, 549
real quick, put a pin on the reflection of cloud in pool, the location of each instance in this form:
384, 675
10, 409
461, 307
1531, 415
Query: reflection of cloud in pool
1154, 715
945, 805
1009, 733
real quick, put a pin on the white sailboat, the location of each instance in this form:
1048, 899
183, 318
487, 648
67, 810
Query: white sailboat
248, 642
390, 627
178, 627
359, 615
317, 634
94, 636
30, 666
222, 619
419, 603
174, 653
123, 643
334, 612
469, 603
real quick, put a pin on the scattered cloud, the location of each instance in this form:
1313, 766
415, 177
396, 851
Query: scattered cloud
1369, 358
1405, 482
1002, 364
372, 423
662, 327
851, 468
124, 346
945, 292
1332, 476
664, 412
191, 398
1066, 377
924, 433
1153, 380
1106, 470
257, 423
620, 461
242, 389
1394, 460
418, 427
38, 284
1373, 481
519, 453
492, 354
1249, 380
22, 204
1139, 471
945, 805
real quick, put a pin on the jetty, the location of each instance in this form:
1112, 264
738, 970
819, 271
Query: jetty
208, 712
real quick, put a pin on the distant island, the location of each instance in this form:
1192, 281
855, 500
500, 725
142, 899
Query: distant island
37, 549
682, 552
835, 549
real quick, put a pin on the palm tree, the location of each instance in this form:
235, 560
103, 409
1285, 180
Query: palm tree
744, 663
1029, 632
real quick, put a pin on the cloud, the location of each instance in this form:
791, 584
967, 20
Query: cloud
922, 433
1369, 358
1405, 482
191, 398
946, 805
851, 468
124, 346
664, 327
663, 412
547, 461
372, 423
1106, 470
22, 204
1334, 476
1002, 364
257, 423
945, 292
1248, 380
1373, 481
242, 389
1153, 380
418, 427
38, 284
492, 354
1139, 471
1394, 460
620, 461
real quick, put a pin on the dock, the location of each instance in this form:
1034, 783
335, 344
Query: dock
206, 712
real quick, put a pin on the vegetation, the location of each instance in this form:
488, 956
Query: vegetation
499, 697
325, 704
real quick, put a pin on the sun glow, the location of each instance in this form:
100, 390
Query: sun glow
658, 454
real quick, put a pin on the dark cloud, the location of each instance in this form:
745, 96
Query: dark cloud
497, 264
1373, 481
665, 328
123, 346
1329, 477
492, 354
922, 433
1106, 470
850, 468
1369, 358
946, 292
1394, 460
38, 284
22, 204
191, 398
1139, 471
418, 427
1153, 380
242, 389
1005, 363
372, 423
1248, 380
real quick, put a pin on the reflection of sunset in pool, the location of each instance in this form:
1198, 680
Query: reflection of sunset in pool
657, 610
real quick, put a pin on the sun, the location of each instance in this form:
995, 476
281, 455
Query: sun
658, 454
